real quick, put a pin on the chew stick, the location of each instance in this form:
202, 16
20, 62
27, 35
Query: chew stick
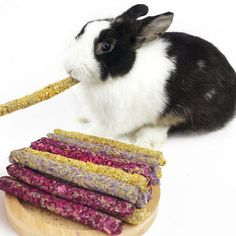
88, 155
117, 144
137, 217
101, 202
113, 152
38, 96
120, 175
77, 212
80, 177
108, 150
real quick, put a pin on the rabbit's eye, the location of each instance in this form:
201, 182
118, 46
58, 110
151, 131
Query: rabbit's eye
106, 46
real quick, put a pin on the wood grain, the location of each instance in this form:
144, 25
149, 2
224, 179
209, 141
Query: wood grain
27, 220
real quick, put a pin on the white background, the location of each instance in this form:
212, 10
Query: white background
198, 185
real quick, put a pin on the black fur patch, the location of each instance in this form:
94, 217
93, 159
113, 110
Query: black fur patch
120, 60
203, 87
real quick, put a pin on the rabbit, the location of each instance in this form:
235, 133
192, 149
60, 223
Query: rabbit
141, 81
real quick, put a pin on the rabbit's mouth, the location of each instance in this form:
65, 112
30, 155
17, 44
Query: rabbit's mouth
84, 74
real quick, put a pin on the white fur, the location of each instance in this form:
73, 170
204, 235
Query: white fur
153, 137
125, 104
80, 61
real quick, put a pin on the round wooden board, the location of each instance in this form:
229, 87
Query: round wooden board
27, 220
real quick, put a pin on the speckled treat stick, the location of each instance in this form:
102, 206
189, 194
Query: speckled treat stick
38, 96
77, 176
117, 144
88, 155
98, 201
120, 175
77, 212
106, 149
101, 202
144, 198
138, 216
154, 164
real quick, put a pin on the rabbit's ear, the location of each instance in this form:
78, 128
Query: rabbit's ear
132, 13
151, 27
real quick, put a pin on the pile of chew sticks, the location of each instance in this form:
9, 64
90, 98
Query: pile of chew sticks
95, 181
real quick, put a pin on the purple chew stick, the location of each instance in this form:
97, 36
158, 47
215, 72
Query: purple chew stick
98, 201
86, 179
77, 212
108, 150
96, 157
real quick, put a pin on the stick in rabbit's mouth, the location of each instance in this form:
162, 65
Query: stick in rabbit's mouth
38, 96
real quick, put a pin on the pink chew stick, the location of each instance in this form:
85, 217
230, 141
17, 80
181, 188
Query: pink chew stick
96, 157
98, 201
77, 212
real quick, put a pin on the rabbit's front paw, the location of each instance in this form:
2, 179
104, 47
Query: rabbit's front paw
151, 137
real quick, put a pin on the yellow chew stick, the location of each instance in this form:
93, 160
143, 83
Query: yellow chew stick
133, 179
38, 96
120, 145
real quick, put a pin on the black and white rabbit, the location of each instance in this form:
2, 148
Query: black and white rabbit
137, 79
